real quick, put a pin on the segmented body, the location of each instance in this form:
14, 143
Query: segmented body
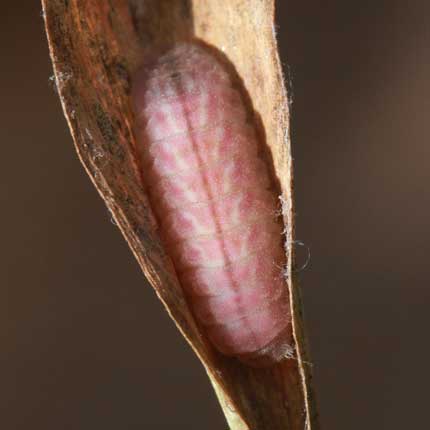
213, 199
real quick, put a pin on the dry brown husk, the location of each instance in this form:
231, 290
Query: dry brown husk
96, 46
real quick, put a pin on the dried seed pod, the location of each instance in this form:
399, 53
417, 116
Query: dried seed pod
93, 68
214, 201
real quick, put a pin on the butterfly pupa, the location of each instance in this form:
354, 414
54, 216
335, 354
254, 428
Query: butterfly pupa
214, 201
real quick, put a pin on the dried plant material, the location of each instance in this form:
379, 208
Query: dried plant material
96, 48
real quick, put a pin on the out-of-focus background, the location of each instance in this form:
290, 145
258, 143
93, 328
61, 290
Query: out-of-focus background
86, 345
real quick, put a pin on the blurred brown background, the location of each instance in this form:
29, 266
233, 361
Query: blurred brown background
84, 344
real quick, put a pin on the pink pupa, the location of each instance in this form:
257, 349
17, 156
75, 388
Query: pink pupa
214, 202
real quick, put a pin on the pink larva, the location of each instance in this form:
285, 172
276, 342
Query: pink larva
214, 202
